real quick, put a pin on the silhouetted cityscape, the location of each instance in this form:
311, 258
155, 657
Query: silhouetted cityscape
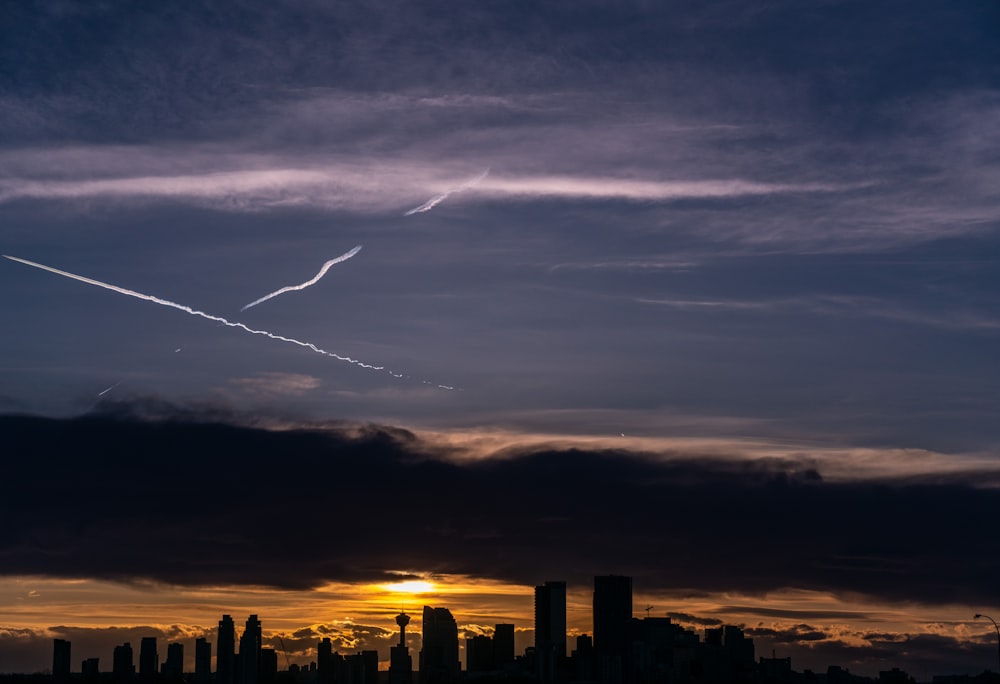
622, 649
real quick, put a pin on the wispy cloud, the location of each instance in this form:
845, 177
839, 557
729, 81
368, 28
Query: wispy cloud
378, 187
274, 384
839, 305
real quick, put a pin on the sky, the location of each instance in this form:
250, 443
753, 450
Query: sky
701, 293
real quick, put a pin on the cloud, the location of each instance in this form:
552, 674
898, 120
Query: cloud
788, 635
920, 655
965, 318
272, 385
345, 637
360, 185
687, 619
894, 541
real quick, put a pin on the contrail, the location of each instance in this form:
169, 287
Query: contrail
434, 201
100, 394
193, 312
315, 279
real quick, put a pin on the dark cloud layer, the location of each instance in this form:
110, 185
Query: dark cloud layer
920, 655
187, 502
176, 68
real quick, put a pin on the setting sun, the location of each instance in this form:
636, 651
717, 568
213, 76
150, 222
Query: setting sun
411, 587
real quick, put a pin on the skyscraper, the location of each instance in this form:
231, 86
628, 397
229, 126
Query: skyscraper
550, 630
479, 653
250, 644
439, 662
173, 666
269, 666
149, 659
612, 613
325, 670
503, 645
60, 659
202, 660
122, 663
225, 652
90, 668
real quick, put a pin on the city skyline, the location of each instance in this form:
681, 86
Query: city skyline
305, 301
349, 636
606, 659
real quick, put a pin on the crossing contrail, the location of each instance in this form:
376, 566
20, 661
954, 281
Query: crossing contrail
315, 279
194, 312
434, 201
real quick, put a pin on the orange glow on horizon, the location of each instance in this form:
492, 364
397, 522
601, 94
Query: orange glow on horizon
411, 587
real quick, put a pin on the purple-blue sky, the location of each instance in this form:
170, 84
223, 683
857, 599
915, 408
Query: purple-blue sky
717, 236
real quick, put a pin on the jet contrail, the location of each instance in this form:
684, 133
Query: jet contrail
434, 201
193, 312
315, 279
101, 394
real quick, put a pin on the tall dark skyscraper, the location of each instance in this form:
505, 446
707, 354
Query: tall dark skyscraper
149, 659
250, 645
439, 657
503, 645
123, 663
60, 659
202, 660
325, 671
173, 666
550, 630
612, 614
225, 652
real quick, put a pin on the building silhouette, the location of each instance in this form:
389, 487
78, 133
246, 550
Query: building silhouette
90, 670
479, 654
149, 659
503, 646
60, 659
268, 673
123, 663
550, 631
225, 652
582, 659
612, 615
202, 660
250, 645
326, 671
360, 668
439, 662
173, 666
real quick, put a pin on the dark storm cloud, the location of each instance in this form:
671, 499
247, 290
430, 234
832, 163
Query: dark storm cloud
189, 502
921, 655
685, 618
844, 615
788, 635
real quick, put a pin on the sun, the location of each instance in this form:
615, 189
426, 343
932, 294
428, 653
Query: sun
410, 587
